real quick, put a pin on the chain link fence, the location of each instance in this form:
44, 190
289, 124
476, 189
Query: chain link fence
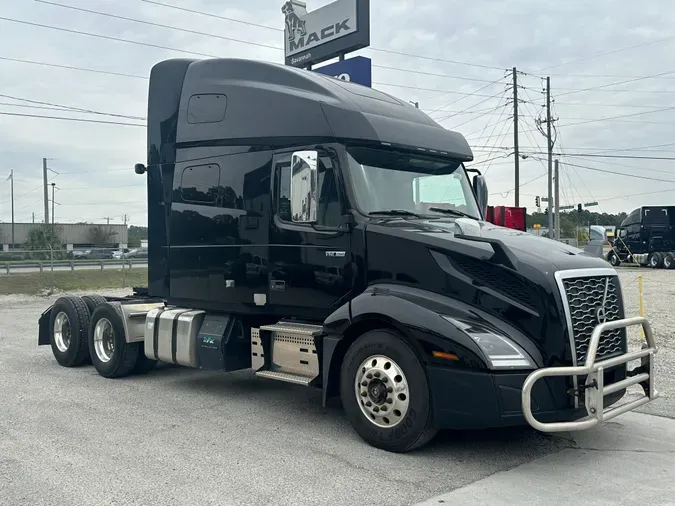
38, 272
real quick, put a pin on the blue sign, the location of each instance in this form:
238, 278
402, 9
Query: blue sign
357, 70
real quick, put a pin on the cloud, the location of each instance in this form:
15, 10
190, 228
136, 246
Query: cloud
95, 161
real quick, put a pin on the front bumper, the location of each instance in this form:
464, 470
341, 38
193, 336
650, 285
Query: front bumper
545, 398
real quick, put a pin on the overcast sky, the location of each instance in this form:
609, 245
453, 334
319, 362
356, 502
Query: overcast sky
579, 44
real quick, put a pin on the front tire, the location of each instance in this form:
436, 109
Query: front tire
385, 393
613, 259
110, 354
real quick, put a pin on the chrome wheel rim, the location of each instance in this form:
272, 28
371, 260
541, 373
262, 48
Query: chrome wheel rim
382, 391
62, 332
104, 340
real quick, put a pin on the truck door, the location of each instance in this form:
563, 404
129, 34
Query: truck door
310, 258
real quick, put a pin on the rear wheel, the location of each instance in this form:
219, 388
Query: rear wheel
93, 301
655, 260
111, 355
69, 324
385, 393
668, 261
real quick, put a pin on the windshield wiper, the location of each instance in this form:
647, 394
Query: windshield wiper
397, 212
452, 211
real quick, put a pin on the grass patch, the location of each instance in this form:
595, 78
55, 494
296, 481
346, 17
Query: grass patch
33, 283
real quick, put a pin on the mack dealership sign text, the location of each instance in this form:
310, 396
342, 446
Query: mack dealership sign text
333, 30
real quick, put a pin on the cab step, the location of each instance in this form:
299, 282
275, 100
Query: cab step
301, 329
286, 377
292, 352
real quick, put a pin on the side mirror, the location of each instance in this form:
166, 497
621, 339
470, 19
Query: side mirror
304, 183
481, 189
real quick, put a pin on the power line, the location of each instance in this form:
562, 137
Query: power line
399, 53
70, 119
474, 93
603, 86
67, 107
586, 58
619, 173
107, 37
69, 67
184, 9
159, 25
591, 104
615, 164
598, 155
434, 74
444, 118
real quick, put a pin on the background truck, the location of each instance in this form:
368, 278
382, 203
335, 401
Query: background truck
290, 232
646, 237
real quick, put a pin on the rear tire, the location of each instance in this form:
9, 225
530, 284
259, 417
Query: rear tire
93, 301
110, 354
655, 260
377, 365
69, 329
669, 261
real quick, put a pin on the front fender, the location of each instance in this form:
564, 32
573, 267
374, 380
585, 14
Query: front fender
415, 314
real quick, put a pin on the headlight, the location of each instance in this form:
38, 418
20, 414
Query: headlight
500, 351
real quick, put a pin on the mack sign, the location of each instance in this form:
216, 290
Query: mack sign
332, 30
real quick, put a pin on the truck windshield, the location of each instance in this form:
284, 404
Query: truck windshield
391, 180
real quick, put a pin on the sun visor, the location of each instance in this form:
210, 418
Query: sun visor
361, 125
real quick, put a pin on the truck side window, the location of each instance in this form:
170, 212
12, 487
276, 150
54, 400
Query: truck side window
200, 183
329, 212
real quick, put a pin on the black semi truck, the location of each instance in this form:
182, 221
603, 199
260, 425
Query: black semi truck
327, 234
646, 237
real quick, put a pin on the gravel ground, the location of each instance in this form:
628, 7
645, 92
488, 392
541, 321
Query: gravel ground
658, 287
180, 436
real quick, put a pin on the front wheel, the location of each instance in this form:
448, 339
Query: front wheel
385, 393
613, 259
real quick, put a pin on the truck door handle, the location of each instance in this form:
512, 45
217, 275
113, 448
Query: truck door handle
278, 284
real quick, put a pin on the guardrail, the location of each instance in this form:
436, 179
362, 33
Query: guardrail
595, 389
42, 265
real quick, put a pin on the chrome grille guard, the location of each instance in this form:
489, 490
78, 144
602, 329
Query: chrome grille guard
595, 389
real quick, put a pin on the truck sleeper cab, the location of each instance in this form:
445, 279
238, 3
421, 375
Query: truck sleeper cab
646, 237
326, 234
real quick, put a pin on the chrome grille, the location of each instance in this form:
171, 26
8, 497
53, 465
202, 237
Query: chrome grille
585, 297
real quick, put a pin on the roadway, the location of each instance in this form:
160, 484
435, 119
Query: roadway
179, 436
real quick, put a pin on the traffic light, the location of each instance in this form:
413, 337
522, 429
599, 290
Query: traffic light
537, 201
546, 211
579, 208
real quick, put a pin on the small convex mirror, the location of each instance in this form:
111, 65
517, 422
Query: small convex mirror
304, 178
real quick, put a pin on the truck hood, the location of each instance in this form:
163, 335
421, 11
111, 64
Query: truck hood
500, 272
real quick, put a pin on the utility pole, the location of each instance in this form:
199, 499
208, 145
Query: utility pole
33, 218
550, 157
53, 221
557, 200
515, 135
11, 177
44, 177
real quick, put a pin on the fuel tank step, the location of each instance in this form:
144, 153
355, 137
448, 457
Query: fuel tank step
287, 377
300, 329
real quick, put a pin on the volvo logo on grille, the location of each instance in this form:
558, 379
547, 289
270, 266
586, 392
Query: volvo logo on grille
601, 314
